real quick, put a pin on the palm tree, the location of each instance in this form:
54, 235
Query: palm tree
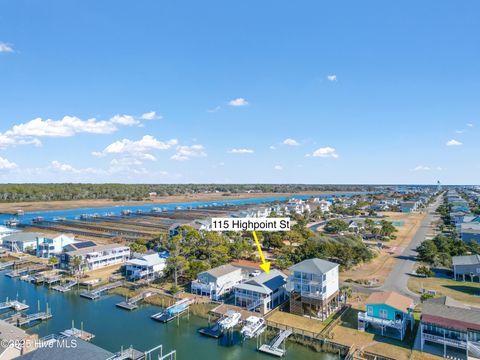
53, 261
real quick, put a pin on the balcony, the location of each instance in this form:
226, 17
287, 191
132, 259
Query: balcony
397, 324
461, 344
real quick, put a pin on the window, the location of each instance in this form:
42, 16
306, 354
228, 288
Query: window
369, 310
383, 313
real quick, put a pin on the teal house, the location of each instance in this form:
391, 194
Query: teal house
387, 314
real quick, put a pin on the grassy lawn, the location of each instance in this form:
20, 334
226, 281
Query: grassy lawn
296, 321
467, 292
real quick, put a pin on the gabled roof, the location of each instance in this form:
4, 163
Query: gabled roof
392, 299
23, 236
450, 313
147, 260
314, 266
466, 260
220, 270
265, 283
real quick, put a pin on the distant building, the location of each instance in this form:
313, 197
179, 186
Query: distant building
387, 314
262, 293
145, 267
97, 256
470, 232
21, 241
314, 288
217, 282
409, 206
50, 245
447, 324
466, 267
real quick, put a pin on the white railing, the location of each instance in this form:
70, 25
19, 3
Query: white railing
397, 324
445, 340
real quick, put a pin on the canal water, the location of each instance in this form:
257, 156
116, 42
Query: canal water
115, 327
73, 213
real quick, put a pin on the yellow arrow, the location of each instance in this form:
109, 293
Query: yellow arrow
265, 266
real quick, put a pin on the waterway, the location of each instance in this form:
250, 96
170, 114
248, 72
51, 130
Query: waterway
115, 327
73, 213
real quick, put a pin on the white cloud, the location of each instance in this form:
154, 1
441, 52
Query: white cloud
241, 151
470, 125
5, 47
332, 77
67, 168
214, 110
126, 120
187, 152
453, 142
290, 142
5, 164
151, 115
271, 147
421, 168
324, 152
238, 102
138, 147
459, 131
278, 167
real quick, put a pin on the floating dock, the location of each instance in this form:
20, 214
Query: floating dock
13, 305
132, 303
22, 319
81, 334
173, 311
66, 287
214, 331
273, 348
96, 293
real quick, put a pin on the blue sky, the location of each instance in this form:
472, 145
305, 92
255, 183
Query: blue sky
236, 92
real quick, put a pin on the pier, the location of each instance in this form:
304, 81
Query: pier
174, 311
96, 293
22, 319
13, 305
273, 348
12, 263
25, 271
131, 304
66, 287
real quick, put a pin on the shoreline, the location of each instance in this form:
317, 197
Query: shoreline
11, 208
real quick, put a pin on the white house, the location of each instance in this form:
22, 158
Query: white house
145, 267
21, 241
50, 245
263, 292
314, 288
96, 256
217, 282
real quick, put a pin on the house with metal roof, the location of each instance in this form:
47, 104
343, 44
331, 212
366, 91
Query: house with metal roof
147, 267
448, 326
21, 241
470, 231
466, 267
263, 292
217, 282
95, 257
387, 314
314, 288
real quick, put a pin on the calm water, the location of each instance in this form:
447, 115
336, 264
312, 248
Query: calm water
72, 213
115, 327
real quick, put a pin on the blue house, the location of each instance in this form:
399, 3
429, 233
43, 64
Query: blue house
387, 314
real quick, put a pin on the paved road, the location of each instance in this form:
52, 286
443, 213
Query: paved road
398, 278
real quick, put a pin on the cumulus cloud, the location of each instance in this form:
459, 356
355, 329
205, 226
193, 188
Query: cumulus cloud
241, 151
470, 125
238, 102
278, 167
453, 142
151, 115
126, 120
271, 147
290, 142
187, 152
332, 77
7, 48
5, 164
324, 152
137, 148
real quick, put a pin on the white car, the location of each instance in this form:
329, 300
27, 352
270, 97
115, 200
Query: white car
255, 273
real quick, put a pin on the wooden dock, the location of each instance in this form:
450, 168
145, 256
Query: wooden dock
13, 305
22, 319
132, 303
273, 348
66, 287
96, 293
81, 334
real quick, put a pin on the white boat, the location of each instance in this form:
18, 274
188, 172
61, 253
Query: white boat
229, 320
156, 210
12, 222
254, 325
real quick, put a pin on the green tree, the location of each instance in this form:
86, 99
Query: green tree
53, 261
335, 226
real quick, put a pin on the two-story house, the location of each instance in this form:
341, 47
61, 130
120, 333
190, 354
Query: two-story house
149, 267
466, 267
314, 288
387, 314
51, 245
263, 292
217, 282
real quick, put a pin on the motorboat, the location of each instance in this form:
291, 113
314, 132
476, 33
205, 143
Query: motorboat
254, 325
229, 320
